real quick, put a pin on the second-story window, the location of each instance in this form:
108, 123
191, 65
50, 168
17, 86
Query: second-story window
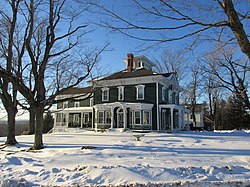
105, 94
164, 90
77, 104
140, 92
121, 93
170, 98
65, 104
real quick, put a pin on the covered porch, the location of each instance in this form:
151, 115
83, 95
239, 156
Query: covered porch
123, 115
80, 117
172, 117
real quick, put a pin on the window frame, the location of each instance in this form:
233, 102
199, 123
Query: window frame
76, 104
84, 118
103, 91
120, 93
99, 117
91, 102
106, 117
149, 117
138, 87
65, 104
139, 111
170, 96
163, 94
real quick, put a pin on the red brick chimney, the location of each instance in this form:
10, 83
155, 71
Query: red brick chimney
130, 62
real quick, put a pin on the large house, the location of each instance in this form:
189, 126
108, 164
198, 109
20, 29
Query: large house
134, 98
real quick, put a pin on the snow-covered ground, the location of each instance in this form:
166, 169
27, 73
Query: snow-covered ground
183, 158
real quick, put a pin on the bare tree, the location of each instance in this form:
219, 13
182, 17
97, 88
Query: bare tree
11, 50
173, 61
55, 59
162, 21
229, 72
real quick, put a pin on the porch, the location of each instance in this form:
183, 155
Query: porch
172, 117
123, 115
80, 117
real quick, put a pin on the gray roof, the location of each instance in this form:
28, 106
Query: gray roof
142, 72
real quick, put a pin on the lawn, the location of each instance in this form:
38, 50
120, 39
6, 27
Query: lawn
117, 158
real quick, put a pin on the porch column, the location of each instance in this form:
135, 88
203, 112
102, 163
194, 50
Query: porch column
172, 118
67, 119
112, 118
96, 119
124, 119
180, 118
81, 119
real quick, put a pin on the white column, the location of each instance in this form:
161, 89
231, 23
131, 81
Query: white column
81, 119
67, 119
180, 115
112, 118
124, 119
172, 118
97, 120
93, 118
157, 107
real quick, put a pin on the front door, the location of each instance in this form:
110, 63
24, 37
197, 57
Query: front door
120, 118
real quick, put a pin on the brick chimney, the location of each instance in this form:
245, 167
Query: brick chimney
130, 62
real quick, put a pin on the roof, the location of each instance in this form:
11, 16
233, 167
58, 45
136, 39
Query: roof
142, 72
77, 90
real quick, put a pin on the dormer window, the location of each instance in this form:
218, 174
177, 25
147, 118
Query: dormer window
105, 94
120, 93
137, 64
140, 92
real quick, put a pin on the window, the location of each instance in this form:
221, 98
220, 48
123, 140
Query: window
146, 117
170, 99
137, 117
77, 104
105, 94
101, 117
121, 93
130, 117
91, 102
140, 92
108, 117
65, 104
86, 118
176, 99
164, 93
76, 118
137, 64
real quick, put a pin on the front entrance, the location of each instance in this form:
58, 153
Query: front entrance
120, 118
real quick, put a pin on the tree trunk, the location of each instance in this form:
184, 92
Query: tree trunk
237, 27
11, 139
32, 121
38, 141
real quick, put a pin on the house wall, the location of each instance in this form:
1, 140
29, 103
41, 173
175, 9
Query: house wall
166, 101
130, 96
198, 118
71, 103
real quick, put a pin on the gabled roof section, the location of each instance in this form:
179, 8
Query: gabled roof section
136, 73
